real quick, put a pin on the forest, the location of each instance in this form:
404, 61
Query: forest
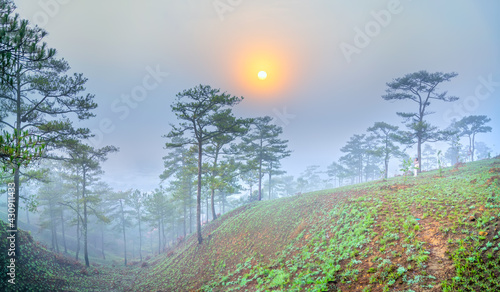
218, 163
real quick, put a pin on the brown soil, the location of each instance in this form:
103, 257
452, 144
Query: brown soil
440, 266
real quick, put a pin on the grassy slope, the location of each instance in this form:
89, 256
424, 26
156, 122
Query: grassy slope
358, 238
39, 269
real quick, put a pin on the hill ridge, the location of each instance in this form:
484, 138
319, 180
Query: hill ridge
430, 233
403, 234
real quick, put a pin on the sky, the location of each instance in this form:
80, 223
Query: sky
328, 63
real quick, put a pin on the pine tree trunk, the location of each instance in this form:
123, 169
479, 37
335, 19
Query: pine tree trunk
133, 248
55, 238
52, 240
173, 237
55, 245
386, 168
123, 229
367, 175
207, 207
190, 213
77, 238
473, 148
260, 171
78, 233
102, 243
212, 194
198, 195
85, 239
159, 235
419, 151
63, 232
184, 217
386, 160
212, 201
14, 226
163, 232
140, 239
270, 170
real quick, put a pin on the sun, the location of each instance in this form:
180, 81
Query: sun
262, 75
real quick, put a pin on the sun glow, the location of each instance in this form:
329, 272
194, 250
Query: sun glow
262, 75
272, 66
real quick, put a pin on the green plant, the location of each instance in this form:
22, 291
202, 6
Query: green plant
405, 168
439, 156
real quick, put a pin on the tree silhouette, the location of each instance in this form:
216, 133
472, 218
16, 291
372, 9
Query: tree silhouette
205, 114
87, 160
422, 88
36, 96
262, 147
471, 126
385, 135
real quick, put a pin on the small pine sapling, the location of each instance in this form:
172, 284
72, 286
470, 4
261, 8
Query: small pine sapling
440, 163
405, 168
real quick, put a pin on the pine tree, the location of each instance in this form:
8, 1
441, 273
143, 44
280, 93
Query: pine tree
470, 126
384, 136
86, 160
263, 148
205, 114
36, 96
422, 88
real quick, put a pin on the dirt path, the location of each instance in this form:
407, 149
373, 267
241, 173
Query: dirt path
439, 265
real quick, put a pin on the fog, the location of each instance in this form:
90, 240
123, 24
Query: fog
328, 65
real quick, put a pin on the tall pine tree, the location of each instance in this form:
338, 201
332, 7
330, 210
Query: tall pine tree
205, 114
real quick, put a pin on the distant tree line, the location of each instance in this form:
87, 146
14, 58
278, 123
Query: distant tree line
367, 155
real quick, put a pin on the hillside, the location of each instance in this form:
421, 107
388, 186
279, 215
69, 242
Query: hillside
436, 232
39, 269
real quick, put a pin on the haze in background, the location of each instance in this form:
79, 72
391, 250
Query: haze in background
327, 64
